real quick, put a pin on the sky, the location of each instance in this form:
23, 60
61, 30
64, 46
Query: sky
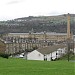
11, 9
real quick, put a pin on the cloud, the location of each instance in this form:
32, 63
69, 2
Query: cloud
55, 13
14, 2
20, 8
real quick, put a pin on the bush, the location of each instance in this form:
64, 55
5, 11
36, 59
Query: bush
4, 55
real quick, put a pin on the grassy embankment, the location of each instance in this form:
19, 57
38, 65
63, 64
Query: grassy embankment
13, 66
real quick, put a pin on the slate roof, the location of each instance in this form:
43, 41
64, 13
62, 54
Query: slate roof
51, 33
50, 49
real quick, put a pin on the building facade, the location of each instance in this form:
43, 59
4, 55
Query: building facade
21, 42
40, 36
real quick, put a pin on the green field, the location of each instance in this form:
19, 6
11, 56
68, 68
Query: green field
13, 66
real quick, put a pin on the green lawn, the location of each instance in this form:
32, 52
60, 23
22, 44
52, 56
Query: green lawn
13, 66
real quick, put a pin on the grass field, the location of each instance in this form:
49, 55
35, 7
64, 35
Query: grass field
13, 66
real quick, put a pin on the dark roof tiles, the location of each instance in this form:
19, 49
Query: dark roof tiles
49, 49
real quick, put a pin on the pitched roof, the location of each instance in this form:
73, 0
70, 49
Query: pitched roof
49, 49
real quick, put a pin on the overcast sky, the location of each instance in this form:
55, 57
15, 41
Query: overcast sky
10, 9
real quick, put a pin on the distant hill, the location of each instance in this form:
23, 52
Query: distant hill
38, 23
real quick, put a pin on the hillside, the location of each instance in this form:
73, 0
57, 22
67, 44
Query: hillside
39, 24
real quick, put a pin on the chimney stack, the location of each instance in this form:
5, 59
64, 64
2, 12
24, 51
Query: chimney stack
68, 26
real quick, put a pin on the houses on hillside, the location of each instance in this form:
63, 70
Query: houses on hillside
21, 42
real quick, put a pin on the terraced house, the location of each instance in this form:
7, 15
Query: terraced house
20, 42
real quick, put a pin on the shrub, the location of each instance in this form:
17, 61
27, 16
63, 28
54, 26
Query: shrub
4, 55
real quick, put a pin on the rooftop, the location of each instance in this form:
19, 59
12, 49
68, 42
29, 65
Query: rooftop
51, 33
50, 49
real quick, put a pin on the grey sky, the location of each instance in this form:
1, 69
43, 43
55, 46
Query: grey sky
14, 1
10, 9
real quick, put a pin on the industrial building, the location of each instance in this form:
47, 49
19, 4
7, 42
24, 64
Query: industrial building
17, 42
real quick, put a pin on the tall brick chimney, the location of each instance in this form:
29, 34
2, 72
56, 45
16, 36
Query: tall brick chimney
68, 26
